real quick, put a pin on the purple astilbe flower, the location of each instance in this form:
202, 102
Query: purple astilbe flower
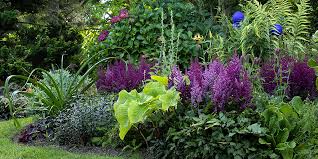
176, 79
115, 19
302, 81
232, 86
234, 67
244, 91
144, 68
103, 35
121, 76
211, 73
196, 92
268, 75
276, 73
195, 76
123, 14
222, 90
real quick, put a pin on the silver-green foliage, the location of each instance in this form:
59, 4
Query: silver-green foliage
80, 122
133, 107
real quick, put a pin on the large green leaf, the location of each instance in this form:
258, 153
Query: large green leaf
132, 108
136, 112
121, 114
160, 79
283, 135
297, 104
169, 99
154, 89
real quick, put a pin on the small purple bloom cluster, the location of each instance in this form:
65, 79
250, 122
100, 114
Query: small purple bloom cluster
123, 14
296, 75
121, 76
223, 85
103, 35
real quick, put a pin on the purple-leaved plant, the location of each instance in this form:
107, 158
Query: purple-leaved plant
120, 75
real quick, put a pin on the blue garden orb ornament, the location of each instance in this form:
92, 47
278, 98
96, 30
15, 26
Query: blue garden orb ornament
277, 29
237, 18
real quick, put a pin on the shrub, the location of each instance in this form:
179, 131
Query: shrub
223, 86
120, 76
146, 30
79, 123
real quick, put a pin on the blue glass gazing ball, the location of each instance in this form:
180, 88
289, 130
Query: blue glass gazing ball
237, 17
277, 29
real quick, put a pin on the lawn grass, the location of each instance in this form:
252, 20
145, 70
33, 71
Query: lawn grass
11, 150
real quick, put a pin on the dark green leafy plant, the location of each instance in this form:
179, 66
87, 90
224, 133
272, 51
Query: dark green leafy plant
146, 30
287, 129
220, 135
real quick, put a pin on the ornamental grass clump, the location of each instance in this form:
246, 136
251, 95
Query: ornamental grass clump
120, 75
297, 77
223, 86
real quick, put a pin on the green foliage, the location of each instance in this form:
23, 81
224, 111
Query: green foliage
220, 135
280, 121
313, 64
58, 91
288, 124
254, 37
63, 79
147, 32
132, 107
298, 28
36, 34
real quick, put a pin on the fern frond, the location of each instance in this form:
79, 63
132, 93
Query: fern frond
298, 25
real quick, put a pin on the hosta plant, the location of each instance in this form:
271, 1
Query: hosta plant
135, 107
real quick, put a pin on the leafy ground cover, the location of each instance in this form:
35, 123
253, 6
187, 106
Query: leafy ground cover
11, 150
